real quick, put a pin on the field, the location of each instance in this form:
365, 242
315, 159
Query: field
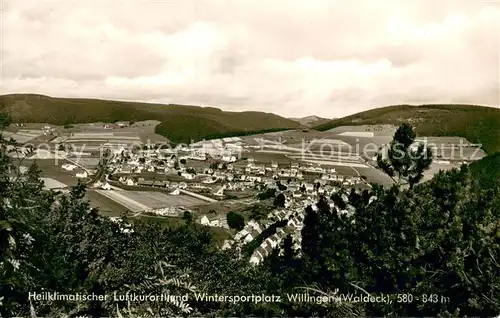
137, 201
51, 168
22, 135
53, 184
160, 199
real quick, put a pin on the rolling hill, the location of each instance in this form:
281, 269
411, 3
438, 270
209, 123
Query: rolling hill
179, 123
479, 124
311, 121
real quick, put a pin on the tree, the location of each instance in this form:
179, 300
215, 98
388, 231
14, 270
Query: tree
187, 216
401, 162
183, 161
268, 193
280, 200
303, 188
235, 221
281, 186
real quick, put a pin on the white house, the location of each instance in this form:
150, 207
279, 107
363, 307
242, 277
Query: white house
175, 192
187, 175
130, 181
105, 186
68, 167
241, 234
227, 244
182, 185
82, 174
206, 221
229, 158
220, 191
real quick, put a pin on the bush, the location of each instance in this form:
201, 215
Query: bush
235, 221
280, 200
269, 193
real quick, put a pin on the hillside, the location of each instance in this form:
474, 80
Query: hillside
479, 124
311, 121
487, 171
180, 123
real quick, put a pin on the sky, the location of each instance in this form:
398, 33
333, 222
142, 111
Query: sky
294, 58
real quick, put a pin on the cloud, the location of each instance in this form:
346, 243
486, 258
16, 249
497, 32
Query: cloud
294, 58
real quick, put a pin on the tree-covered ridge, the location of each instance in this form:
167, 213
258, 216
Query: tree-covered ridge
438, 241
179, 123
478, 124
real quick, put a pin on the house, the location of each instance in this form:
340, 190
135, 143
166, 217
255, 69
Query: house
182, 185
229, 158
257, 256
274, 165
187, 175
251, 236
130, 182
241, 234
82, 174
254, 225
220, 191
227, 244
106, 186
211, 220
68, 167
175, 192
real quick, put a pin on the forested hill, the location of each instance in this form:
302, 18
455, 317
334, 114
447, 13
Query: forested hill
479, 124
179, 123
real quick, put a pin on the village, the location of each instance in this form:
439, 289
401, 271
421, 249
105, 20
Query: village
213, 176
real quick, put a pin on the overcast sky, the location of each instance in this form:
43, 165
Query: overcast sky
294, 58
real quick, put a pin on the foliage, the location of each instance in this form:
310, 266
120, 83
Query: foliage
187, 216
281, 186
235, 221
402, 162
280, 200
